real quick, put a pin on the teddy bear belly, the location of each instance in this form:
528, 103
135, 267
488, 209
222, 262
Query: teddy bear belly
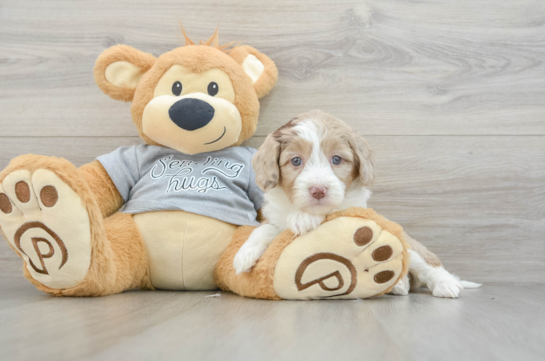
183, 248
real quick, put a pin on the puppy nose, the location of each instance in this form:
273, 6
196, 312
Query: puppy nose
191, 113
318, 192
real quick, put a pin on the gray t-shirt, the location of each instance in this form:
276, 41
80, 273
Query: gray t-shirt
218, 184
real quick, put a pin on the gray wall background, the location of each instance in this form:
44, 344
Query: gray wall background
450, 95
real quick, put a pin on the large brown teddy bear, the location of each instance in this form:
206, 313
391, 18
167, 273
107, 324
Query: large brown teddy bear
161, 215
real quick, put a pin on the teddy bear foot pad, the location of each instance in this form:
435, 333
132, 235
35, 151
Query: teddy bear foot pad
47, 224
347, 257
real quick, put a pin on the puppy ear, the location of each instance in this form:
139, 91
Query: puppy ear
265, 163
365, 159
259, 67
119, 69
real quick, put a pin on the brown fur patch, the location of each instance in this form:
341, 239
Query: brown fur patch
292, 147
425, 253
266, 162
339, 137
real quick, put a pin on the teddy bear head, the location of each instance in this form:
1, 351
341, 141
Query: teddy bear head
195, 98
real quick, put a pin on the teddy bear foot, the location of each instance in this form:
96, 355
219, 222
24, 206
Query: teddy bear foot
46, 223
347, 257
355, 253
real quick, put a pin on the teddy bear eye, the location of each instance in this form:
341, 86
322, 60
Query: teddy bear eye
177, 88
296, 161
336, 160
213, 88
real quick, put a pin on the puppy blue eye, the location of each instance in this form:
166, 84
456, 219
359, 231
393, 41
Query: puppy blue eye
296, 161
177, 88
213, 88
336, 160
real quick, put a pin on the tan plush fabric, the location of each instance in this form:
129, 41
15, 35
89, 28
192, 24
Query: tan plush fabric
108, 198
220, 133
183, 248
268, 78
199, 59
120, 53
259, 283
264, 282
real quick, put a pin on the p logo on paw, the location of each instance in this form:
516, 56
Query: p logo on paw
347, 257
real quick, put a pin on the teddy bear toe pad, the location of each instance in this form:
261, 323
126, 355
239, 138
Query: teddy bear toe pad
347, 257
46, 222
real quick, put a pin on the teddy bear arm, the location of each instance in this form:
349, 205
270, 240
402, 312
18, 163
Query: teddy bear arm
101, 185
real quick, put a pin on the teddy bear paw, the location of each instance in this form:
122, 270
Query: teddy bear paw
47, 224
347, 257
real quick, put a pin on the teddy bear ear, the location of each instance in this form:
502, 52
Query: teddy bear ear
259, 67
119, 69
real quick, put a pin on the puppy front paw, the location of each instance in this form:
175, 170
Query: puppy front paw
447, 289
300, 222
247, 256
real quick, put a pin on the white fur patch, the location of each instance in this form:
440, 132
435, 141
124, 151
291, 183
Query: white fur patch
254, 247
317, 172
440, 282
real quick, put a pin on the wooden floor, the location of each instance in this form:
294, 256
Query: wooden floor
501, 321
451, 96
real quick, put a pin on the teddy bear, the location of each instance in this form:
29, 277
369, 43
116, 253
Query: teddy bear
172, 213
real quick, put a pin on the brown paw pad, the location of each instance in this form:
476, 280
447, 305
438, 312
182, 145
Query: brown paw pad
22, 191
49, 196
382, 253
5, 204
363, 236
384, 276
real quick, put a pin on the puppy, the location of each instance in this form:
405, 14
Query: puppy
312, 166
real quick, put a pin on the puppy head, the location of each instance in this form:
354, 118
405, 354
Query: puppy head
196, 98
314, 158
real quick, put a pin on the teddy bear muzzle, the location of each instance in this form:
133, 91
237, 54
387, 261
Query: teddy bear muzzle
193, 123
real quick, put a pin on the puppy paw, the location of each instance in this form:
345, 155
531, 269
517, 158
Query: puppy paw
247, 256
300, 222
446, 289
401, 288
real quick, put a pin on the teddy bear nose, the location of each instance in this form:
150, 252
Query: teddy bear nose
191, 113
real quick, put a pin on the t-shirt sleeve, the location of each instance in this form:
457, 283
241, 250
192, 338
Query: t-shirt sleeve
122, 167
255, 194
